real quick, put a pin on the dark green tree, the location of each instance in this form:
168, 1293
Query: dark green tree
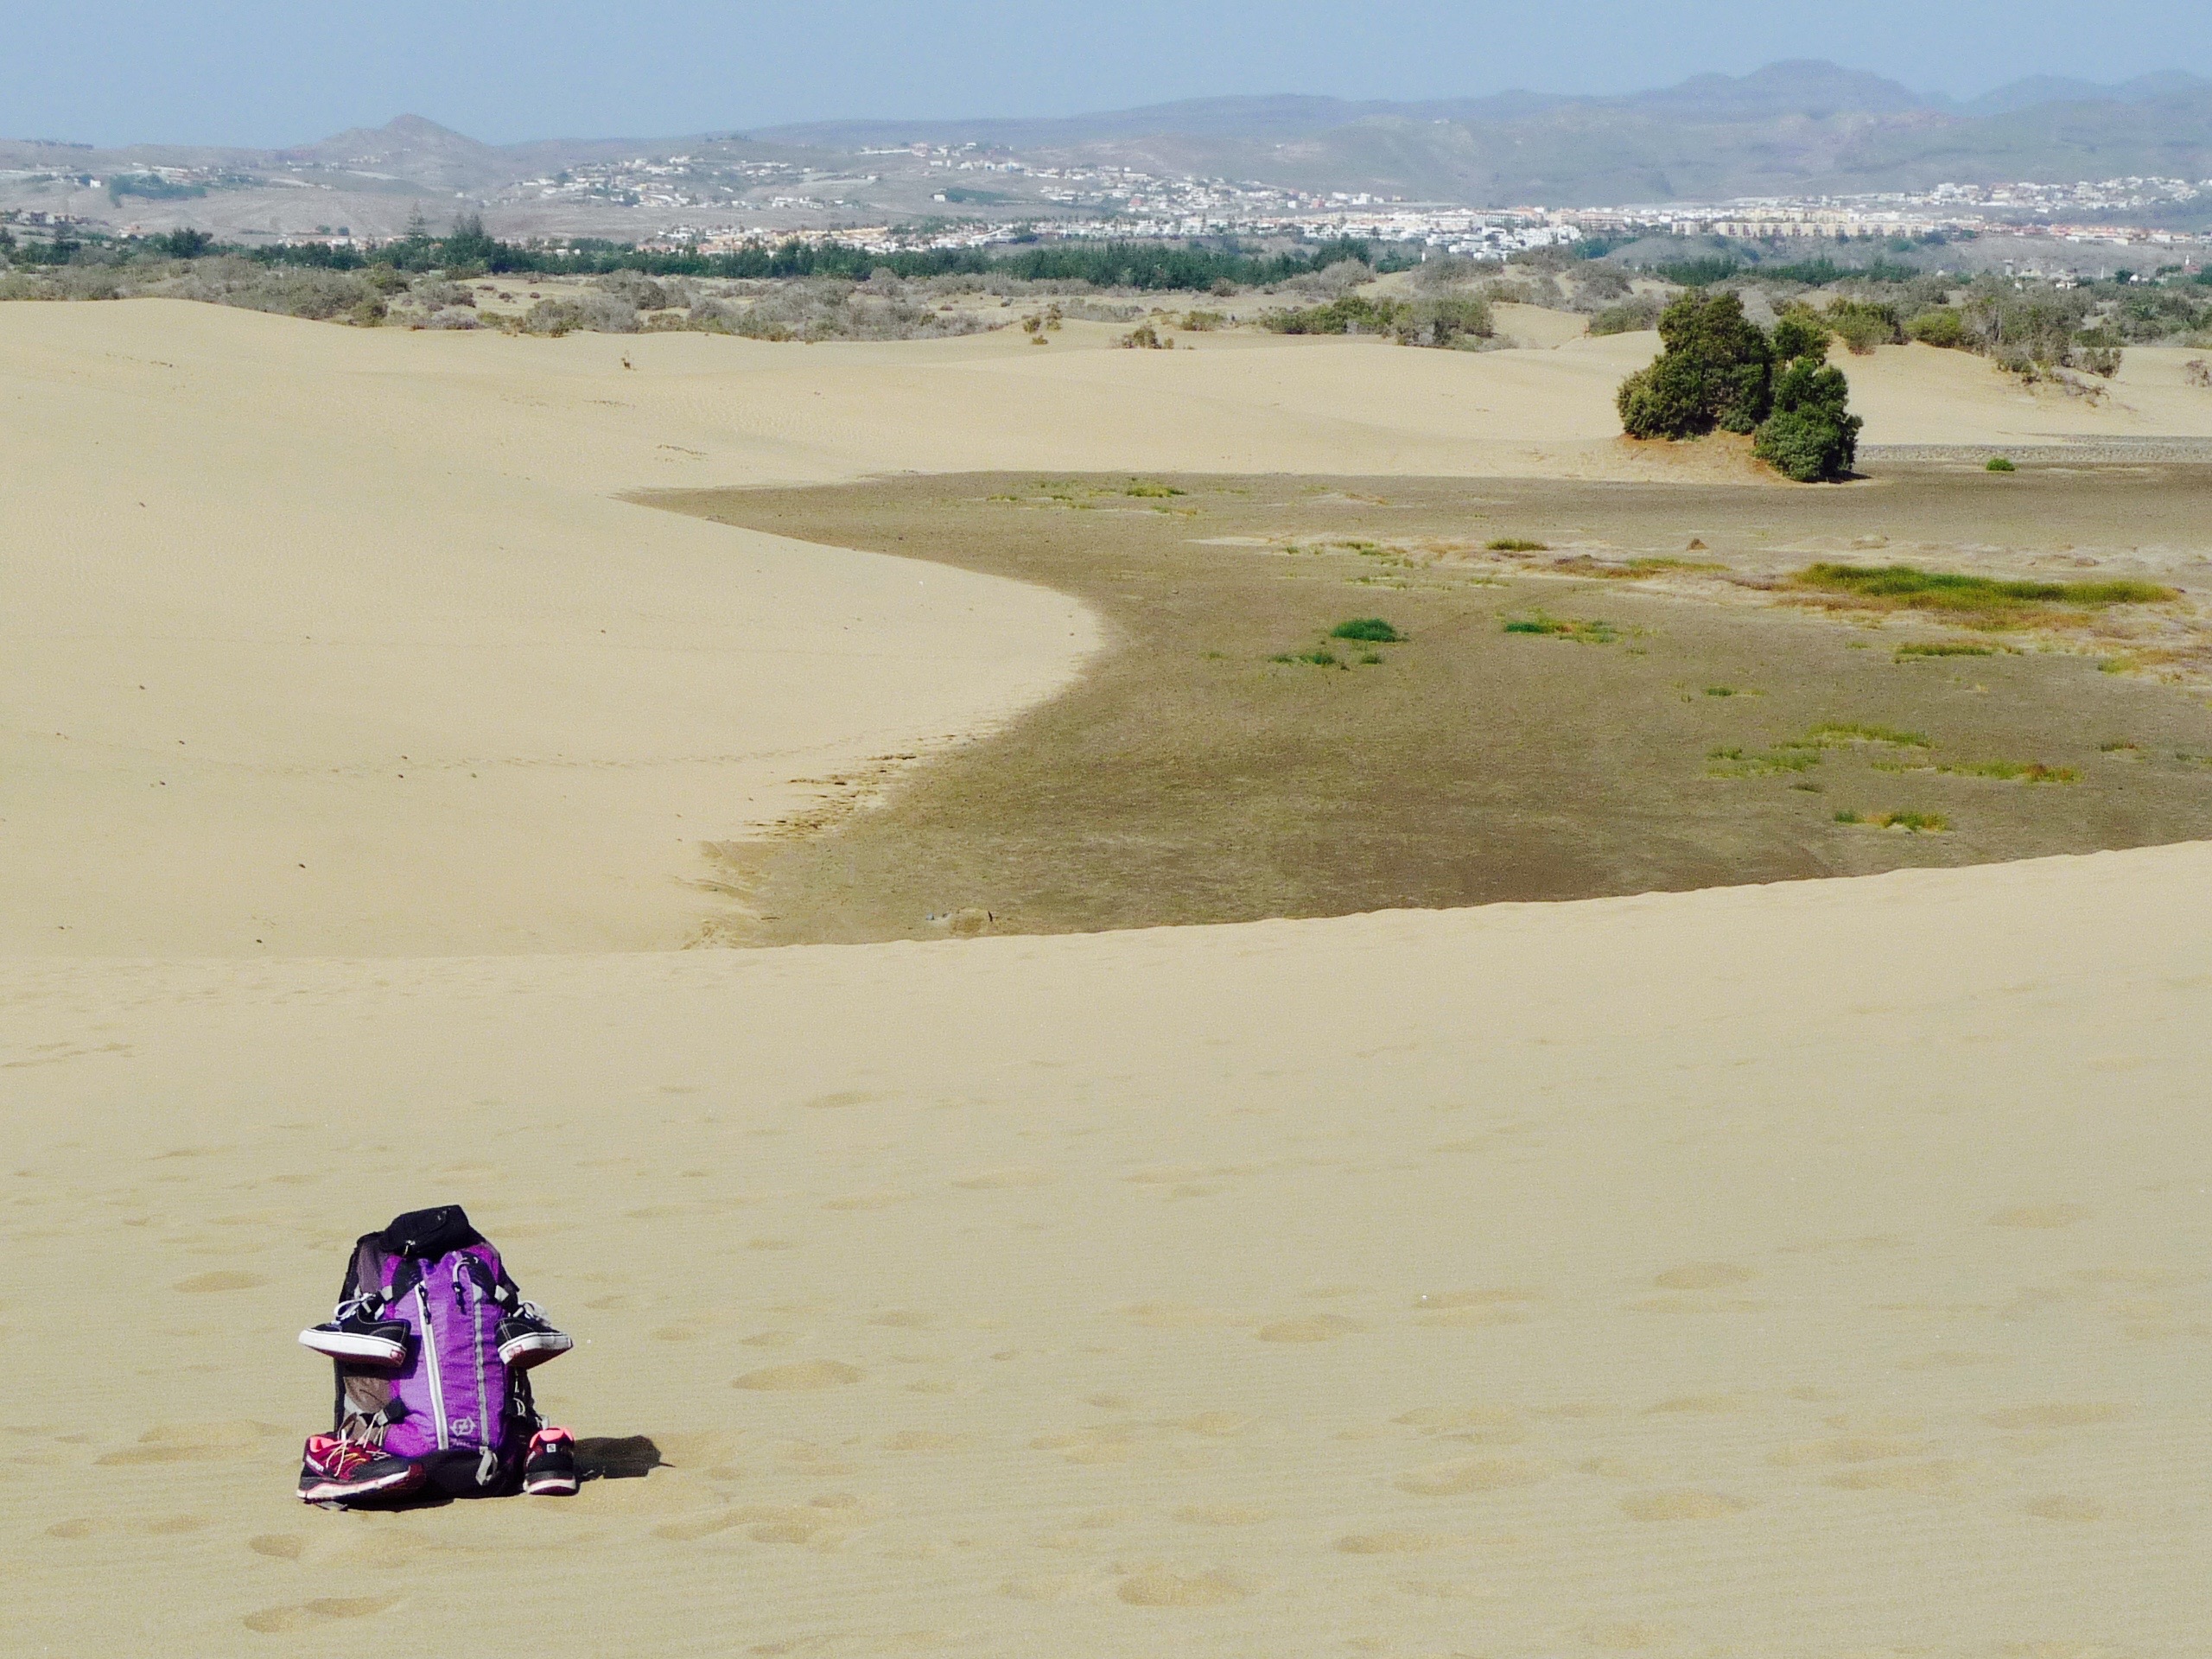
1713, 373
1811, 435
468, 245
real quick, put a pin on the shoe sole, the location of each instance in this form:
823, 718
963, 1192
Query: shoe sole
332, 1491
550, 1486
525, 1352
371, 1350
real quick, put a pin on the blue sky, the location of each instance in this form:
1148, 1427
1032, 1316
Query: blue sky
261, 71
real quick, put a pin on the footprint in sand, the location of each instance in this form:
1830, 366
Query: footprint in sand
202, 1282
1392, 1543
992, 1180
1223, 1515
1936, 1475
1157, 1587
1682, 1506
2041, 1215
304, 1614
278, 1545
194, 1443
878, 1200
1452, 1308
1844, 1448
1628, 1636
2059, 1507
1949, 1359
1314, 1327
2055, 1416
805, 1376
1474, 1475
1477, 1425
1704, 1276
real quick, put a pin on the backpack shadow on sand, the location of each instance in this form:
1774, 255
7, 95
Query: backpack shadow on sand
615, 1457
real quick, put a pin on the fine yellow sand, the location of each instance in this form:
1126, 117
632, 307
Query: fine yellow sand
1796, 1271
1783, 1272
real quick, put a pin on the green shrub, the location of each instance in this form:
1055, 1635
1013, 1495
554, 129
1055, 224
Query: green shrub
1863, 324
1998, 464
1515, 545
1372, 628
1942, 326
1713, 372
1629, 317
1810, 437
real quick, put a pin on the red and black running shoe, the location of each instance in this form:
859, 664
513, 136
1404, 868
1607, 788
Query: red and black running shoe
345, 1471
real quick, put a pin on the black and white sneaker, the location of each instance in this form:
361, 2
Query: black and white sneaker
527, 1339
359, 1337
550, 1471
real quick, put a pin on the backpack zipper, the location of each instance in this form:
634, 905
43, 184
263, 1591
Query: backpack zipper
476, 1336
430, 1363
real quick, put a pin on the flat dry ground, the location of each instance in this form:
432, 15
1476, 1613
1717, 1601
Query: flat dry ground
1192, 778
1782, 1271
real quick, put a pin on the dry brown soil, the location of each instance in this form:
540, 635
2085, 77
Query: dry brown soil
1192, 778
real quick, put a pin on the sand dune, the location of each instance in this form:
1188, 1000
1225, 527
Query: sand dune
414, 680
1790, 1271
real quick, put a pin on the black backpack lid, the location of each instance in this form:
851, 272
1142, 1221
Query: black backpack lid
430, 1233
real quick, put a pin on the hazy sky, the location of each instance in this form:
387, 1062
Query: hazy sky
277, 72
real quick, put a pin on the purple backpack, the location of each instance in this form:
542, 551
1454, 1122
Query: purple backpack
455, 1405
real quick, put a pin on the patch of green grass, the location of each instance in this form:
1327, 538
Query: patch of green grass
1742, 763
1371, 658
2122, 747
1980, 601
2023, 771
1153, 491
1837, 735
1918, 823
1515, 545
1915, 649
1370, 628
2011, 771
1319, 657
1719, 690
1998, 464
1590, 632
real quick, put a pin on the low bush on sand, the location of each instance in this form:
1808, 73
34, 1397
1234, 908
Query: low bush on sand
1918, 823
1587, 632
1978, 601
1372, 629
